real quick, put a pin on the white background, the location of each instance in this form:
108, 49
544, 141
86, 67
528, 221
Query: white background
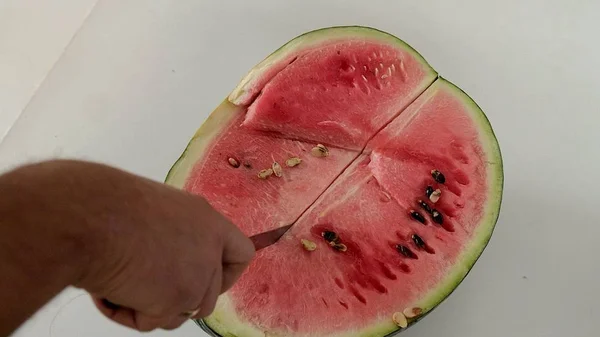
139, 77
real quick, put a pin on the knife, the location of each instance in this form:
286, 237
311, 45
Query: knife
268, 238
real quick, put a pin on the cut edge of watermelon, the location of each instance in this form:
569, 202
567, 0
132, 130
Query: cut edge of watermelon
234, 326
251, 84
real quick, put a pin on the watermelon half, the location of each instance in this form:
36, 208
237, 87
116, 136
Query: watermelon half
391, 174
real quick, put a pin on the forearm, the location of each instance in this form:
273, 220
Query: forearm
41, 249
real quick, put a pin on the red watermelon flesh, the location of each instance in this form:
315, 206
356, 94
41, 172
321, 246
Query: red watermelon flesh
259, 205
440, 130
320, 105
364, 191
340, 94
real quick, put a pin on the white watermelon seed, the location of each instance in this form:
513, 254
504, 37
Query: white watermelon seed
308, 245
435, 195
233, 162
320, 151
294, 161
364, 78
277, 169
400, 320
412, 312
264, 174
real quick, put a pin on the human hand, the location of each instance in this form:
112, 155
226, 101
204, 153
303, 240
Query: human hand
155, 251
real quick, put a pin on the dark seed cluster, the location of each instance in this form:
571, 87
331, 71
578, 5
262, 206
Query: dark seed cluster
433, 195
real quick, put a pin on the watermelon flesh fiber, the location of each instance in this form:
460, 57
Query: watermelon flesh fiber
387, 121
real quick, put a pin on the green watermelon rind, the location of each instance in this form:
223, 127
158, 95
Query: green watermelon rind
224, 114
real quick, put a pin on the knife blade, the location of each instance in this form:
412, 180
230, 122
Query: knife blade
265, 239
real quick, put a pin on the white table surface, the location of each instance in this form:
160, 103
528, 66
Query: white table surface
33, 36
140, 76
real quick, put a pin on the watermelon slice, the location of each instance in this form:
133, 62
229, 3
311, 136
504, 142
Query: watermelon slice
391, 175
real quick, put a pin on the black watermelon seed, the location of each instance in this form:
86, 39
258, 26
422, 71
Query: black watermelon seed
424, 206
340, 247
330, 236
418, 241
247, 165
406, 251
428, 191
438, 176
417, 216
437, 217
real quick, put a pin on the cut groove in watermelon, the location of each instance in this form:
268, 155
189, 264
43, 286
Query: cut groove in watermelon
378, 170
